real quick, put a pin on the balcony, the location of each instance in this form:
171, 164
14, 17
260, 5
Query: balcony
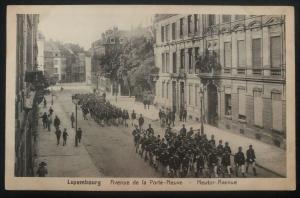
257, 71
241, 71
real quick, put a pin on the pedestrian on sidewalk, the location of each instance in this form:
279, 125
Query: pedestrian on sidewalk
50, 110
72, 119
239, 160
173, 117
181, 114
56, 122
79, 134
65, 136
58, 134
184, 115
45, 102
141, 121
45, 120
49, 122
42, 170
251, 160
133, 117
160, 115
145, 103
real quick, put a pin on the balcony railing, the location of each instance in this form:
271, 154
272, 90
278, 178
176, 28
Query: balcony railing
257, 71
241, 71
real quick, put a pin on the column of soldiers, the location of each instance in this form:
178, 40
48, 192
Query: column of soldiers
189, 154
102, 111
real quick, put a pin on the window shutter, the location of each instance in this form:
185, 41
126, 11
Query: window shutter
258, 109
242, 103
277, 111
256, 53
275, 51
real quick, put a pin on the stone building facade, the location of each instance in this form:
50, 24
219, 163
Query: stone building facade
246, 93
25, 105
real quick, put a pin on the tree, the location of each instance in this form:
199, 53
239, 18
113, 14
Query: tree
208, 62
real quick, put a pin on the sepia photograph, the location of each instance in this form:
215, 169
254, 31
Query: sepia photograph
150, 98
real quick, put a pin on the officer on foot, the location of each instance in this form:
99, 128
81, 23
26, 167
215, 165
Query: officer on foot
79, 134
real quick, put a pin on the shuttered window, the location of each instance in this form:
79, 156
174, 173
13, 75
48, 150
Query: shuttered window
226, 18
277, 111
242, 104
173, 31
163, 63
174, 62
227, 54
162, 31
256, 53
241, 53
258, 108
167, 62
167, 32
182, 59
275, 51
196, 94
167, 90
163, 90
190, 94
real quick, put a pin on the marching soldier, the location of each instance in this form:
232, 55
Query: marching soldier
141, 121
251, 160
58, 134
79, 134
239, 160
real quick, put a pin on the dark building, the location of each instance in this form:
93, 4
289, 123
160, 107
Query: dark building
25, 103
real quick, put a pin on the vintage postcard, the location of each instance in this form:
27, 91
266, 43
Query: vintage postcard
150, 98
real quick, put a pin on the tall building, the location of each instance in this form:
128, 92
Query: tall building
25, 103
228, 68
41, 49
52, 61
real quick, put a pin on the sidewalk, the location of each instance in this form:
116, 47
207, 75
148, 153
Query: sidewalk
268, 156
62, 161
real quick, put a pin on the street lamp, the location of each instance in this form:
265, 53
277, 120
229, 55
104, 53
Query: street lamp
75, 101
52, 96
201, 106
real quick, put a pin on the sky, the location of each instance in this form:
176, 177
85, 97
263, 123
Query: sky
83, 26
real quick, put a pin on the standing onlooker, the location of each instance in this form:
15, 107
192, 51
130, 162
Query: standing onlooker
173, 117
42, 170
45, 120
184, 115
50, 110
49, 121
58, 134
141, 121
65, 136
79, 134
56, 122
72, 119
45, 103
133, 117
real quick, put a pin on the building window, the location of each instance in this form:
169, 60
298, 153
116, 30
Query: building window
167, 32
276, 111
162, 34
112, 40
163, 64
226, 18
228, 104
182, 59
275, 51
181, 27
190, 24
167, 62
256, 53
211, 19
174, 62
190, 54
258, 108
162, 89
190, 94
227, 54
173, 31
195, 23
241, 53
196, 95
167, 90
242, 104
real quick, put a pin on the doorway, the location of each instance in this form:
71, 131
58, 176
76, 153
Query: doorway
212, 106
